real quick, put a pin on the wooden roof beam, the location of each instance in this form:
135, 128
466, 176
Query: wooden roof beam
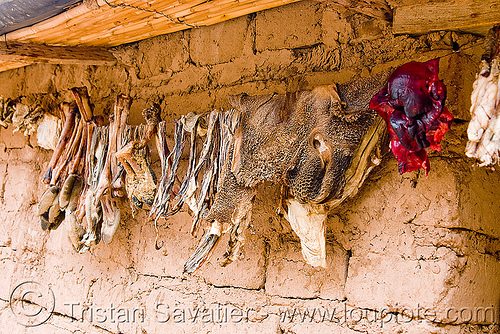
474, 16
27, 53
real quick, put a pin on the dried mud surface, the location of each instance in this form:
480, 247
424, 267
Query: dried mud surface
408, 254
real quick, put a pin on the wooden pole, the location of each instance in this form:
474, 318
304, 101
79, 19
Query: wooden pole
37, 53
476, 16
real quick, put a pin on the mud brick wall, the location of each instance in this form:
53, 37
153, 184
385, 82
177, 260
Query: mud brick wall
409, 254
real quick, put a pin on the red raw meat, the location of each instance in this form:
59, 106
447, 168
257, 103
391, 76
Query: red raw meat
412, 105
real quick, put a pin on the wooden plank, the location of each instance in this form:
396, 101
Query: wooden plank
38, 53
462, 15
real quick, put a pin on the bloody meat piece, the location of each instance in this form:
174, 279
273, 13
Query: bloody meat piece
412, 104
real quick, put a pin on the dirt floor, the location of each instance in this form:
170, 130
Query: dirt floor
409, 254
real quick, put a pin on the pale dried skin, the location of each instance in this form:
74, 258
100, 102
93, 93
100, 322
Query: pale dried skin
189, 182
48, 132
308, 221
164, 154
25, 118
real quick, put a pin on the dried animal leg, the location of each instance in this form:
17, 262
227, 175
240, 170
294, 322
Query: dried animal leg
164, 154
236, 238
74, 230
207, 144
188, 178
69, 112
162, 199
76, 191
93, 215
152, 117
140, 179
202, 196
111, 218
211, 171
204, 249
56, 216
110, 213
229, 123
97, 154
44, 221
82, 100
118, 121
71, 151
66, 190
232, 206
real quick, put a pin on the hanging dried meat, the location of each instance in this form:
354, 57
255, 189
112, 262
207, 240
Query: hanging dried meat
135, 158
66, 170
320, 145
484, 127
412, 104
88, 168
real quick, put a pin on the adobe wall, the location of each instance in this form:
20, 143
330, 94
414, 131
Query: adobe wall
408, 254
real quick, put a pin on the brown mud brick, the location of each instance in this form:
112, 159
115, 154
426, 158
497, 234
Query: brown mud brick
248, 271
289, 276
234, 71
287, 27
479, 210
12, 139
198, 102
221, 42
20, 189
167, 53
170, 258
191, 79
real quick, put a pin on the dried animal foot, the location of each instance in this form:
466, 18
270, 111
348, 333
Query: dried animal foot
204, 249
56, 216
140, 180
48, 209
47, 199
74, 231
67, 191
236, 239
111, 219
